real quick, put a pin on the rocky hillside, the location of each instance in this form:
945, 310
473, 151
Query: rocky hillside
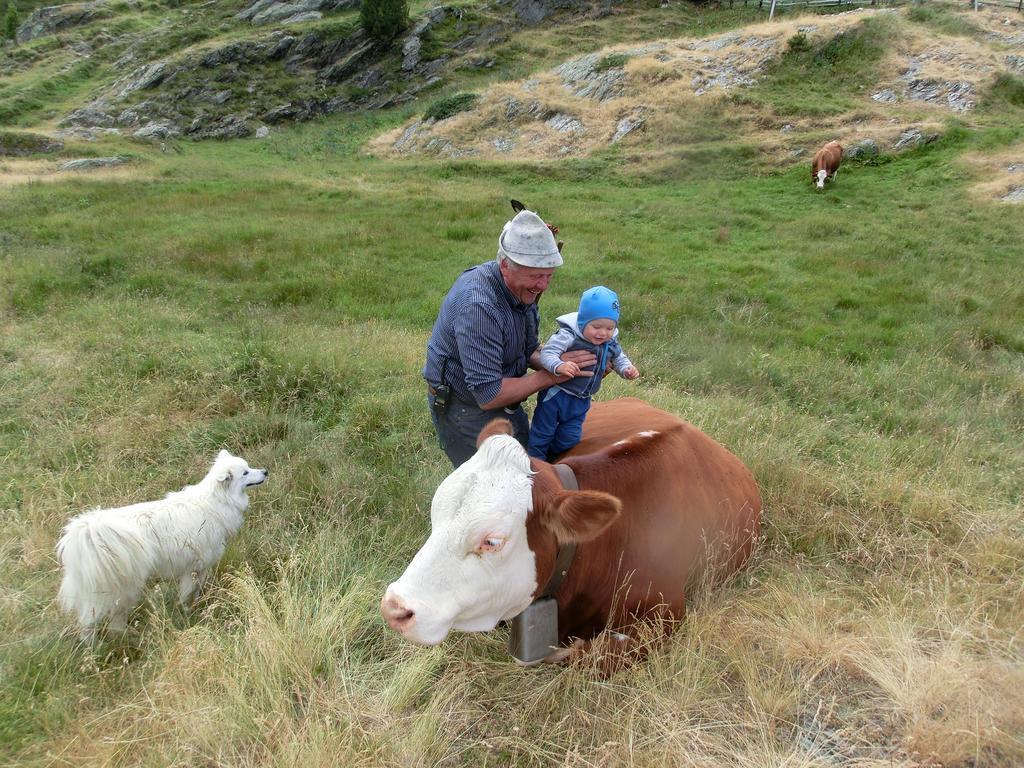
229, 69
890, 81
497, 80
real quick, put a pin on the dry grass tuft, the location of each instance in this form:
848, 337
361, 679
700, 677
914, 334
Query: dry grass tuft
998, 173
16, 171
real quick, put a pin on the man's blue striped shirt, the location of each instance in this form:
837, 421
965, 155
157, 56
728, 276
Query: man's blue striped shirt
482, 335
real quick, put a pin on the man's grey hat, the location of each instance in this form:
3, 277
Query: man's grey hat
527, 241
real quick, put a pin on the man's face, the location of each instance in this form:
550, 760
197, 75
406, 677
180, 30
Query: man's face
525, 283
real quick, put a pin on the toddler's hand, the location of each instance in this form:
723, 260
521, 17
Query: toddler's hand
571, 370
631, 373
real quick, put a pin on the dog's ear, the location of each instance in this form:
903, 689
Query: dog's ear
225, 476
224, 454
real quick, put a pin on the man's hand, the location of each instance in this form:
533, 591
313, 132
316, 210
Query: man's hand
631, 373
581, 358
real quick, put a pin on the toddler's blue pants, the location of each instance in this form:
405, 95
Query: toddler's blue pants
557, 423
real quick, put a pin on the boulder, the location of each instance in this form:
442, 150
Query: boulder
17, 144
564, 123
280, 11
142, 78
1015, 195
156, 130
627, 125
862, 149
90, 163
585, 77
88, 117
413, 43
56, 18
272, 11
298, 18
347, 64
219, 127
535, 11
913, 137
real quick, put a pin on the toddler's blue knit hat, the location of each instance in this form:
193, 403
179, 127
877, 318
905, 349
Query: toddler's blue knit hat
597, 302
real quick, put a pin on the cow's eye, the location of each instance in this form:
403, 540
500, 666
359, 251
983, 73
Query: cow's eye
490, 544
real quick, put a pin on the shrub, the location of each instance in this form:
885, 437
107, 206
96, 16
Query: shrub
451, 105
10, 27
383, 20
611, 61
799, 43
1009, 89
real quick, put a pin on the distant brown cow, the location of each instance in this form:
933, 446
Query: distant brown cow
661, 509
826, 163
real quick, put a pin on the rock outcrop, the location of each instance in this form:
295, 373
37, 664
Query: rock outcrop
92, 163
602, 98
223, 92
264, 12
58, 18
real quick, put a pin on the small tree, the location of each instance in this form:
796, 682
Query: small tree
383, 20
10, 27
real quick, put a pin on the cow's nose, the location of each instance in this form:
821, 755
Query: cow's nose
396, 613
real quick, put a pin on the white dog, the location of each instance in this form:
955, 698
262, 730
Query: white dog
108, 555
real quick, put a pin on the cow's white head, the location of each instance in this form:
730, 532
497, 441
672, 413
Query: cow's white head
822, 175
477, 568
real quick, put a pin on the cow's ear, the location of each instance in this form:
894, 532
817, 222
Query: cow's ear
492, 428
580, 515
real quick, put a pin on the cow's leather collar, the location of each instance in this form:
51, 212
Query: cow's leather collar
566, 552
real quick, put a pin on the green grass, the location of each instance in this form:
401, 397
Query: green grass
611, 61
24, 143
1008, 89
943, 19
25, 101
859, 348
449, 106
827, 78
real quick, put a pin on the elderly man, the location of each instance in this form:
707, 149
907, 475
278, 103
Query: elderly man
485, 340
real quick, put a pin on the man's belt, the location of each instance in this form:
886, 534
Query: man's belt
432, 391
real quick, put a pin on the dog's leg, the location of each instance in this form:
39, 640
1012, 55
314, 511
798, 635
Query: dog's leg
190, 585
87, 632
118, 621
186, 588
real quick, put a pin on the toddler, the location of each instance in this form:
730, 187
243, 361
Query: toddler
558, 420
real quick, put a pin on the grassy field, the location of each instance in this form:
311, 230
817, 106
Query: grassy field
860, 349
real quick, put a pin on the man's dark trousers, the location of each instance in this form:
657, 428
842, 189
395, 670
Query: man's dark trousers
458, 427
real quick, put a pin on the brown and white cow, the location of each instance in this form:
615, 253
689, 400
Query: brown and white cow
826, 163
662, 508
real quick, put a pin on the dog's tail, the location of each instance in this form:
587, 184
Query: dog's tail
106, 562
